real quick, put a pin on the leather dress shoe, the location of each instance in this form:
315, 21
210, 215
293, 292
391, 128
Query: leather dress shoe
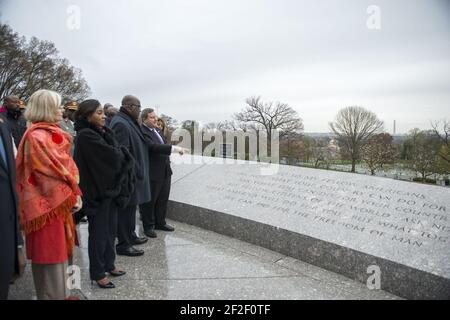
130, 252
139, 240
117, 273
150, 233
108, 285
165, 227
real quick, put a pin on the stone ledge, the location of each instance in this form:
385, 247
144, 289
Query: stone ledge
396, 278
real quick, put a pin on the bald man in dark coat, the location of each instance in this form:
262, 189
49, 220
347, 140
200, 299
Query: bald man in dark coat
129, 134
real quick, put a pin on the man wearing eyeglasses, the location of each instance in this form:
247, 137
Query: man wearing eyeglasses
14, 119
128, 133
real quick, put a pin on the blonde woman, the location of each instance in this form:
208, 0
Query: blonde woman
47, 185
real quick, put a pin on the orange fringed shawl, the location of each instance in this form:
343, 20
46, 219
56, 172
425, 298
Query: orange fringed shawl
47, 178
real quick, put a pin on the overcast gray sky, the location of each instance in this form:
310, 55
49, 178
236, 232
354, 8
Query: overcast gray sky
200, 59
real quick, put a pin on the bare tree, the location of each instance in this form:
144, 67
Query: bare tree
26, 67
353, 126
270, 116
444, 136
378, 150
211, 126
12, 59
228, 125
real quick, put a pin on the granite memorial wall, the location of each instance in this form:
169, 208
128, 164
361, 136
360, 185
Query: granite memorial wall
346, 223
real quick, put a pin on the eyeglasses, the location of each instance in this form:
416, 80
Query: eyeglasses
132, 105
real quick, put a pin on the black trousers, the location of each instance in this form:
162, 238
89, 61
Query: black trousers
154, 212
6, 274
8, 247
126, 227
102, 236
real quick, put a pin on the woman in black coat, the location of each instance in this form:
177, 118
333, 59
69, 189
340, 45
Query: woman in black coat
106, 181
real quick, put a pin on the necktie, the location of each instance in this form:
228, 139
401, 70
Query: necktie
3, 152
159, 137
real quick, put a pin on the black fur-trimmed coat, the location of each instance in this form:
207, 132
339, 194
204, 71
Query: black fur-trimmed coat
106, 168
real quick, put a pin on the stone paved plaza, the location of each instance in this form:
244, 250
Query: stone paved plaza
192, 263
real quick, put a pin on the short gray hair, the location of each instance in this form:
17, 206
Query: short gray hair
146, 112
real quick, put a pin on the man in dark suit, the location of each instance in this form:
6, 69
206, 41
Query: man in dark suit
11, 253
153, 213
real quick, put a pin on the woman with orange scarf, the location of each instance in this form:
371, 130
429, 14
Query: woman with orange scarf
47, 185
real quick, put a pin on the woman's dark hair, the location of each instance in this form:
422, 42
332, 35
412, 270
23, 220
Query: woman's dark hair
86, 108
163, 123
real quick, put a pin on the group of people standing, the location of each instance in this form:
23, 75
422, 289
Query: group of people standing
70, 164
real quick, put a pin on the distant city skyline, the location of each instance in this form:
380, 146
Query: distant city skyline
201, 59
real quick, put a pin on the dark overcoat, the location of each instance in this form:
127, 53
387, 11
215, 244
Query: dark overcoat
10, 236
129, 134
105, 167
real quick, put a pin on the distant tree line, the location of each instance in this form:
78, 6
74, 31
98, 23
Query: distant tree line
357, 137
